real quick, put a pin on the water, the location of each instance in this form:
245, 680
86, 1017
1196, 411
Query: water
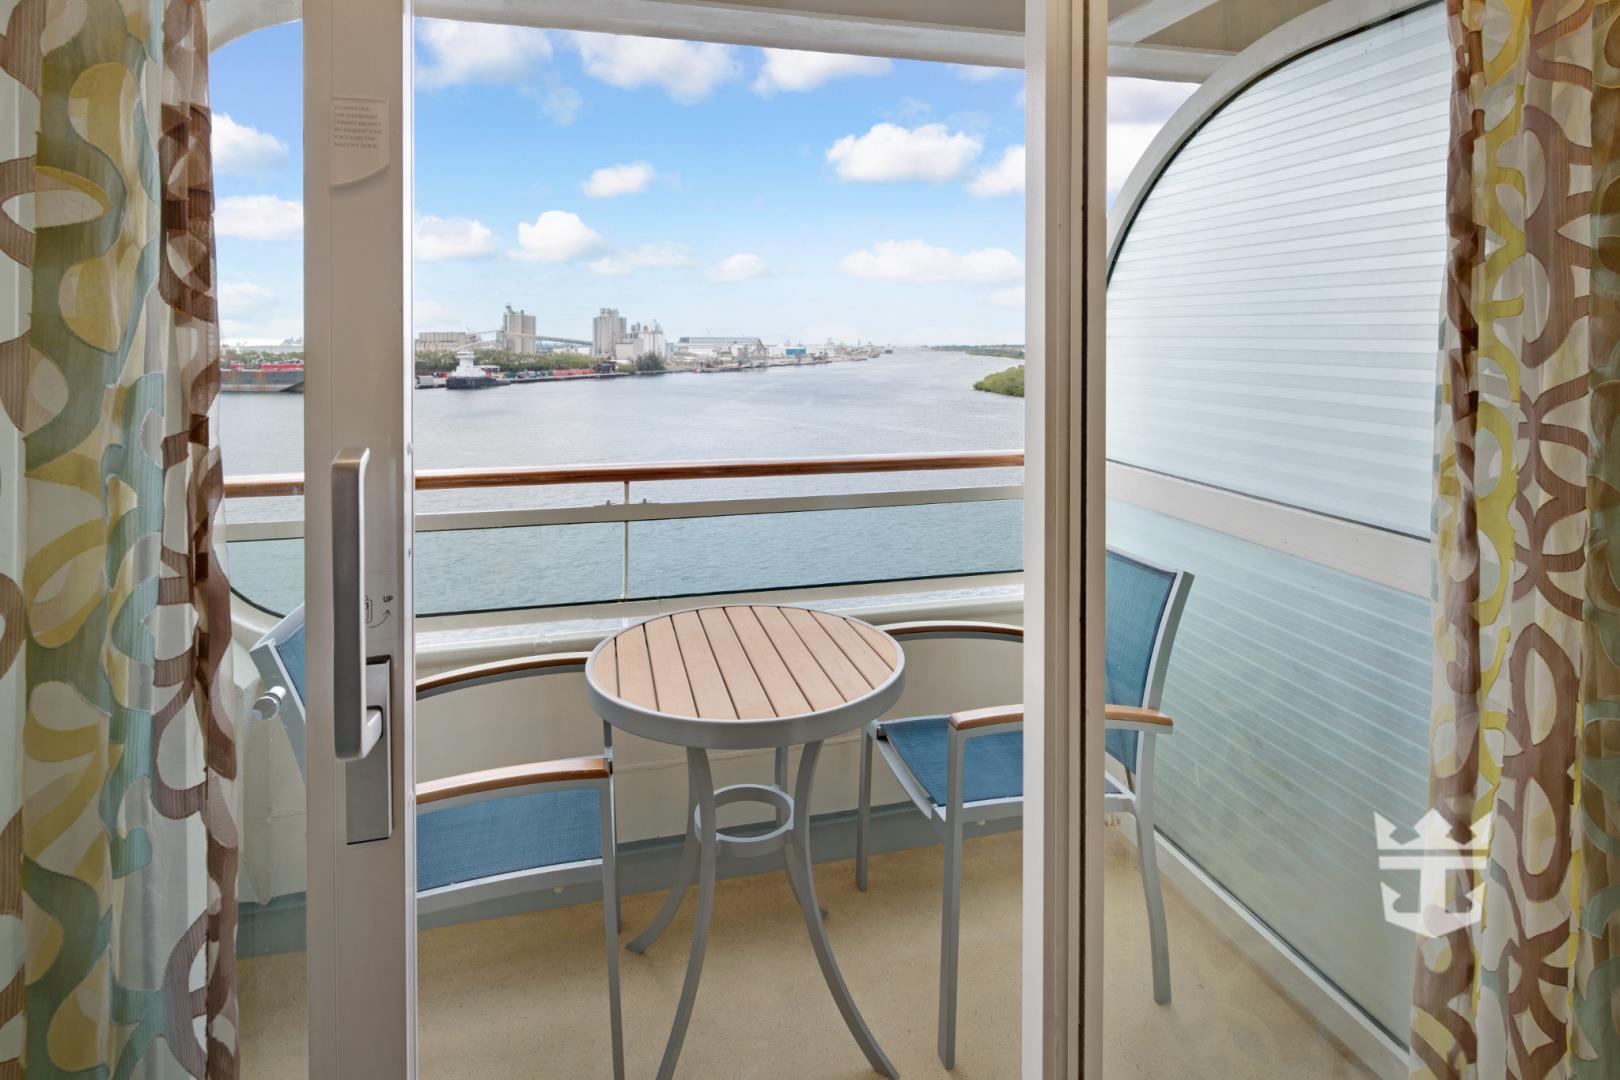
905, 402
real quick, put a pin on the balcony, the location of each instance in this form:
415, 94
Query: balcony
1268, 427
1230, 963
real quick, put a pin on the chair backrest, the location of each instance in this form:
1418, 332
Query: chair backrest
279, 656
1144, 605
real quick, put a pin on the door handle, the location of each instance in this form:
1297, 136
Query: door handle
356, 725
360, 686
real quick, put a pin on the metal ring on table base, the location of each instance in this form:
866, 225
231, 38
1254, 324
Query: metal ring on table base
752, 845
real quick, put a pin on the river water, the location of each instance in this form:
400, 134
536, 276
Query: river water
904, 402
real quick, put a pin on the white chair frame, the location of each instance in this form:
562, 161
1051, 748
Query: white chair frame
948, 820
435, 796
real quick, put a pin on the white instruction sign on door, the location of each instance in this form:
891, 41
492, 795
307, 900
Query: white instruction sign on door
359, 138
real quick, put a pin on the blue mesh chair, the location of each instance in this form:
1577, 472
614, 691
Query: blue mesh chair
971, 764
495, 833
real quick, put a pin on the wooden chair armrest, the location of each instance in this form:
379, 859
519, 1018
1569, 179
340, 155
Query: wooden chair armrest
1114, 715
499, 671
948, 628
511, 776
1130, 717
979, 718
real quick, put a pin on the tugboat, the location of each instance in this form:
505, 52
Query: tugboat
468, 375
272, 378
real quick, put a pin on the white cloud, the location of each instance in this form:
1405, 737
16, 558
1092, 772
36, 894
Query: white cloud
258, 217
1137, 109
556, 236
793, 71
455, 53
739, 267
611, 181
919, 262
645, 257
973, 73
425, 310
1150, 100
561, 105
240, 149
910, 109
243, 297
440, 238
1012, 296
890, 152
1126, 145
687, 71
252, 313
1005, 177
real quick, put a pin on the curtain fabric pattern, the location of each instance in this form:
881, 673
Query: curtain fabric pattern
118, 839
1525, 735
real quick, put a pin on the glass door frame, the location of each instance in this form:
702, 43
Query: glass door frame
362, 908
1066, 70
361, 914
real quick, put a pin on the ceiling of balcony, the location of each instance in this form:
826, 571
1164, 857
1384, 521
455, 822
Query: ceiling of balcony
1190, 38
1171, 39
1161, 39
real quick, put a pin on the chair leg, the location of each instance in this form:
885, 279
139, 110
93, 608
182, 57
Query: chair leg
863, 817
1148, 852
610, 920
1147, 849
950, 932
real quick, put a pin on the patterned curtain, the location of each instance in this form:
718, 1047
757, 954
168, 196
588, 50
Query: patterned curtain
118, 841
1525, 736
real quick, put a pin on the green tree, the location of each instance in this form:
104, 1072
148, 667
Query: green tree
1009, 382
647, 363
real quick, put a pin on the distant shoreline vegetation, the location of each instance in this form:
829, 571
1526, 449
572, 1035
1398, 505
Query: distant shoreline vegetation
1009, 381
429, 361
1010, 352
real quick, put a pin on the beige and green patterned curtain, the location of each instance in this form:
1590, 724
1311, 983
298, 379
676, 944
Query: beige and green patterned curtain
1525, 737
118, 840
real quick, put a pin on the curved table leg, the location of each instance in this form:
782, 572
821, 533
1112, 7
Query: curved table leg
782, 785
686, 873
797, 855
697, 762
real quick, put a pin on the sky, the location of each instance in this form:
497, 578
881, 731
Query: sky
714, 189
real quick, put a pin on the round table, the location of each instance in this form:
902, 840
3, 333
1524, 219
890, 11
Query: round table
746, 677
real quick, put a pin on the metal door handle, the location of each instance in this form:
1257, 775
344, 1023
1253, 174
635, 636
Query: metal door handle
356, 726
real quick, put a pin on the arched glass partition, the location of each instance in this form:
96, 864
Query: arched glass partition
1273, 308
1272, 325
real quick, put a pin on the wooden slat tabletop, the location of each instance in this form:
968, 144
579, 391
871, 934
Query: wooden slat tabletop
755, 662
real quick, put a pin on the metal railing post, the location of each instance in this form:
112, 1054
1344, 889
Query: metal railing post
624, 585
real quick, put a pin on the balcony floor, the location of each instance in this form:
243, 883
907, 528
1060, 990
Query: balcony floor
524, 996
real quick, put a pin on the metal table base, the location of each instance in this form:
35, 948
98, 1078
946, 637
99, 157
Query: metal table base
705, 841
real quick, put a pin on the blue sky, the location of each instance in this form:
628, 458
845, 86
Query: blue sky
715, 189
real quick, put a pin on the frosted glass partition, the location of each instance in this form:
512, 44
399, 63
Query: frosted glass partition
1300, 696
1273, 310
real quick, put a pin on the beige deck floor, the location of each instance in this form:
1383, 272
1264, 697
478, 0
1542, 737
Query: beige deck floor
525, 997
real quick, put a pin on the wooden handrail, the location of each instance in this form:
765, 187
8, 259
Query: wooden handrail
257, 487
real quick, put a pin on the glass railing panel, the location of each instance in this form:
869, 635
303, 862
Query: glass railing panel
824, 547
269, 574
542, 566
466, 570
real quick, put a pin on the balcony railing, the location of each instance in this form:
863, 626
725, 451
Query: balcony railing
889, 534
